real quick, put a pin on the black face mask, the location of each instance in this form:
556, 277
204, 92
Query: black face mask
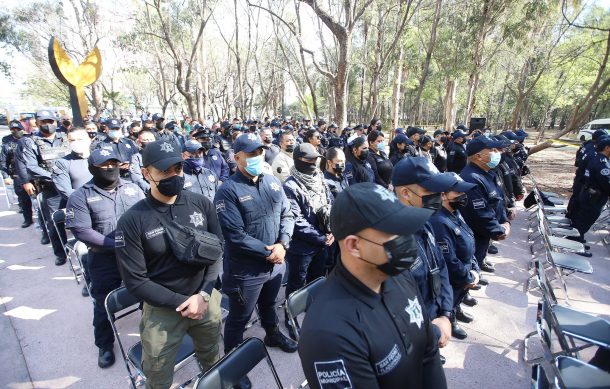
339, 168
443, 139
401, 253
432, 201
48, 128
66, 123
459, 202
171, 186
105, 178
207, 145
289, 148
363, 155
159, 126
18, 134
305, 167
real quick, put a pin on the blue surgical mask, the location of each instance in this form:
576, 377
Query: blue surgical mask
381, 146
115, 134
495, 160
195, 163
254, 165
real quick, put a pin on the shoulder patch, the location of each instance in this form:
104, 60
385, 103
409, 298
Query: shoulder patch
389, 362
332, 374
604, 172
478, 204
444, 246
220, 206
119, 239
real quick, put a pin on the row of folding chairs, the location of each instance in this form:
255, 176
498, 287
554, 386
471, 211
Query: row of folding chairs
227, 372
564, 333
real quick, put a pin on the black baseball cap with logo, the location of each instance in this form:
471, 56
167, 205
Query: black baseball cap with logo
161, 154
368, 205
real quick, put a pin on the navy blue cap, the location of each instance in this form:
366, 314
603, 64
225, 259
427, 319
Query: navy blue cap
437, 132
420, 171
161, 154
288, 127
157, 117
101, 155
204, 133
170, 125
505, 141
274, 124
399, 130
248, 143
459, 134
415, 130
460, 185
305, 150
332, 125
481, 143
598, 134
16, 124
401, 138
521, 133
192, 146
368, 205
603, 142
113, 123
512, 136
45, 115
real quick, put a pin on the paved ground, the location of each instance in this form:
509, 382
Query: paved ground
47, 339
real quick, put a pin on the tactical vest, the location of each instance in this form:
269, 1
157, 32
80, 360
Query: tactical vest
48, 154
10, 156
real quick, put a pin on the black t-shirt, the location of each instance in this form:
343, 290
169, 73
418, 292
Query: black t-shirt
146, 262
354, 337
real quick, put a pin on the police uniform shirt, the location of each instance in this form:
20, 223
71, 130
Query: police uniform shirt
456, 158
455, 241
428, 268
335, 184
350, 172
271, 153
353, 337
135, 171
202, 181
92, 213
253, 215
7, 156
146, 262
214, 161
70, 173
597, 175
382, 168
38, 163
485, 212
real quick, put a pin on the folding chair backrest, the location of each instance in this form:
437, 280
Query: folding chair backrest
549, 328
227, 372
59, 216
544, 282
539, 379
119, 300
299, 301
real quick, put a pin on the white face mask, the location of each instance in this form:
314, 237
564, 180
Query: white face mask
79, 147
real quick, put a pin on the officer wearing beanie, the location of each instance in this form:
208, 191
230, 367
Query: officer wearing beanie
368, 326
92, 213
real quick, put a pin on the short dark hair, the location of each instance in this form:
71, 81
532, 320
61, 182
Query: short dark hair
330, 154
310, 133
134, 124
373, 135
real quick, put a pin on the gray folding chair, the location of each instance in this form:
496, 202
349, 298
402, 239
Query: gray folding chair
299, 301
59, 223
119, 304
229, 370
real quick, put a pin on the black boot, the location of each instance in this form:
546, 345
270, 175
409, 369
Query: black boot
483, 281
470, 301
487, 267
45, 240
275, 338
292, 332
457, 331
106, 357
492, 249
84, 292
59, 261
462, 316
27, 223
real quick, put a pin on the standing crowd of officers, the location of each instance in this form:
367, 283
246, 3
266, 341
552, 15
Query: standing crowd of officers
410, 227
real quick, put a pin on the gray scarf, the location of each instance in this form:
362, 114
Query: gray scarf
313, 186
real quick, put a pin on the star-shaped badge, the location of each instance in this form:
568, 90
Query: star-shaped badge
414, 311
129, 191
104, 152
384, 193
274, 186
196, 219
168, 148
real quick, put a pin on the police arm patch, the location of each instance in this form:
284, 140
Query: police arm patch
332, 374
478, 204
220, 206
119, 239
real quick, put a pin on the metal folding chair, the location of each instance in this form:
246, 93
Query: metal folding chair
227, 372
119, 304
59, 222
299, 301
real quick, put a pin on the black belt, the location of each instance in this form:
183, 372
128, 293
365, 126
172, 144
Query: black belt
98, 250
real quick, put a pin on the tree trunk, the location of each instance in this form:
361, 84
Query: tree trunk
426, 65
449, 107
397, 92
340, 87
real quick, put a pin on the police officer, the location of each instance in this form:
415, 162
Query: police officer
310, 201
439, 153
272, 151
38, 155
178, 297
135, 167
378, 159
415, 134
522, 151
134, 130
212, 158
584, 155
399, 148
95, 136
418, 183
72, 171
485, 212
333, 167
283, 163
257, 224
198, 178
358, 169
92, 213
508, 157
596, 189
122, 147
456, 242
456, 154
368, 327
9, 170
